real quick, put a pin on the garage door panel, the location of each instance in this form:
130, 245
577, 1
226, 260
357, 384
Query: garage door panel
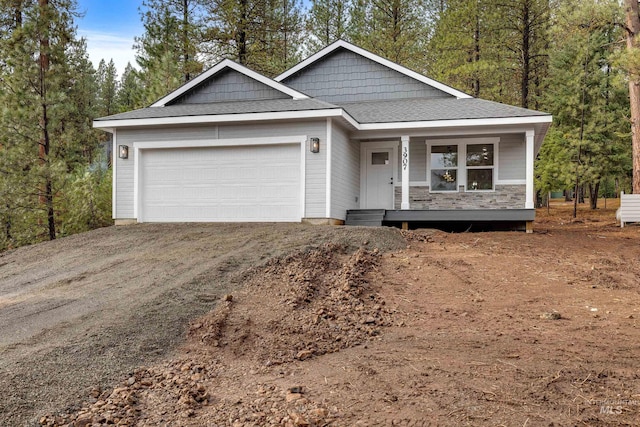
257, 183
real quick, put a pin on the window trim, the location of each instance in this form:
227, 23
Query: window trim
456, 168
462, 154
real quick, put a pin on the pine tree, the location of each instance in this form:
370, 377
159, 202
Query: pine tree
463, 49
632, 28
107, 88
130, 93
394, 29
524, 27
46, 99
264, 35
167, 51
587, 97
327, 21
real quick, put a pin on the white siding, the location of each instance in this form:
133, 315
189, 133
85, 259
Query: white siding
315, 163
124, 185
345, 173
511, 158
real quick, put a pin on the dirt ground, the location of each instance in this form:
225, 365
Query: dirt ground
84, 311
477, 329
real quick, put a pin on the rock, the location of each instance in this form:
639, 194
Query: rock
119, 390
552, 315
131, 381
304, 354
292, 397
369, 320
228, 297
296, 389
298, 419
320, 413
84, 420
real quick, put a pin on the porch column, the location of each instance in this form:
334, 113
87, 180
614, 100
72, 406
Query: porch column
404, 156
529, 158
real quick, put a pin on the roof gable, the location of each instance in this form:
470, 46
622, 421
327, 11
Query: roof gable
359, 75
228, 81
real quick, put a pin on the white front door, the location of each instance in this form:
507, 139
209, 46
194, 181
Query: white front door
379, 178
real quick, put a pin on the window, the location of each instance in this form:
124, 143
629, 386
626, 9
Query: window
471, 164
444, 168
381, 158
479, 167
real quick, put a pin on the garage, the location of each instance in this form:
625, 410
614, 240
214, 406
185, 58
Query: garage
248, 183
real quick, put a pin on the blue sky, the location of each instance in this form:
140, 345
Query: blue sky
109, 27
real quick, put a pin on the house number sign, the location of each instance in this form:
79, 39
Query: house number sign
405, 158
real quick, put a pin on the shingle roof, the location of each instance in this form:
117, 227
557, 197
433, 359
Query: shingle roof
421, 109
220, 108
392, 111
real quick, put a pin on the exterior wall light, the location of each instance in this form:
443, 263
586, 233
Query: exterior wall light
314, 145
123, 151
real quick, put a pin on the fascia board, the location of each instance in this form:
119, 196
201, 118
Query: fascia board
336, 112
457, 123
102, 124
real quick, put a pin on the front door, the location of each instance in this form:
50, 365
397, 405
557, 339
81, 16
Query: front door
379, 178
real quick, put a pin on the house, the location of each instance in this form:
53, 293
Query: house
343, 132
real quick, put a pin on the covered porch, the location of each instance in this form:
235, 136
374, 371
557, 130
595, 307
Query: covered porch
476, 175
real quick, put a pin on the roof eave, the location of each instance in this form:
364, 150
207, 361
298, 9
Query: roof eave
109, 125
492, 121
220, 118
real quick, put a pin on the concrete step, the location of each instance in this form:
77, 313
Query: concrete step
365, 217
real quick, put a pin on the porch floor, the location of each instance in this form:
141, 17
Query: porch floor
426, 216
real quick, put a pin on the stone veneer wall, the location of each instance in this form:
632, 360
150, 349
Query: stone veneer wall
504, 197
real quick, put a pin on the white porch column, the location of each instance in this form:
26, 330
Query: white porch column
529, 158
404, 157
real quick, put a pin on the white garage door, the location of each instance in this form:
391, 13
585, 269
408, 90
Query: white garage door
246, 183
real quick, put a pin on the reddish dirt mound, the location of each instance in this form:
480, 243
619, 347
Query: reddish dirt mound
296, 308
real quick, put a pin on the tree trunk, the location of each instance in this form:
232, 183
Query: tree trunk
476, 54
526, 55
185, 39
593, 195
46, 193
241, 37
7, 224
633, 29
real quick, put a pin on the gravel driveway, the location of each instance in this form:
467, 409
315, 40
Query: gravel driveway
88, 309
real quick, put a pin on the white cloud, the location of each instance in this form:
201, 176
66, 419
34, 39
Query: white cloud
107, 46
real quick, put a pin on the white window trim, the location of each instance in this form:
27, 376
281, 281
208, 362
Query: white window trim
462, 155
494, 169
